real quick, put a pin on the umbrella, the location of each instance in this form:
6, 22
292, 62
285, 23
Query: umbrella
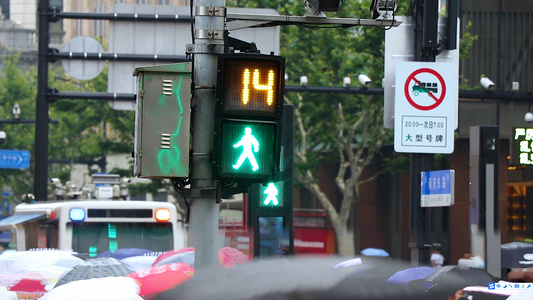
526, 295
229, 257
483, 292
161, 278
7, 295
349, 262
137, 263
8, 276
452, 278
375, 252
172, 253
123, 253
176, 257
48, 275
24, 260
109, 288
95, 268
299, 277
408, 275
30, 285
517, 255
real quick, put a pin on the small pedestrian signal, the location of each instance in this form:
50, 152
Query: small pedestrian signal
271, 195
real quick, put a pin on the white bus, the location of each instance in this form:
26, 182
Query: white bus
90, 227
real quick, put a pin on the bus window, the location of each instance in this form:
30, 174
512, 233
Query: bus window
94, 238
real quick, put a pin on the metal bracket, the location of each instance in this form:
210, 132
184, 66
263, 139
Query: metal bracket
51, 55
204, 49
51, 95
217, 11
205, 189
209, 34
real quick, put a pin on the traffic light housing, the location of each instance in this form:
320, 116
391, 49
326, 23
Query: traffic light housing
248, 117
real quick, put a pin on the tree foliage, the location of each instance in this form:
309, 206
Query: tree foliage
17, 86
346, 130
87, 129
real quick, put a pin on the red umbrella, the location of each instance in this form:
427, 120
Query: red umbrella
29, 286
169, 254
162, 278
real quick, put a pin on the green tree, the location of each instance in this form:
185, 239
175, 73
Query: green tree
17, 86
340, 129
87, 129
346, 130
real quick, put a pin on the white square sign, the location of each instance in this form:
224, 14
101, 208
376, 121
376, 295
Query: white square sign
425, 103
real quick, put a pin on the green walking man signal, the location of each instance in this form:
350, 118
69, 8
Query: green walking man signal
247, 142
271, 193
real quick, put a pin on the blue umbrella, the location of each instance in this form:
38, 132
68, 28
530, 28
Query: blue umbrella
408, 275
123, 253
375, 252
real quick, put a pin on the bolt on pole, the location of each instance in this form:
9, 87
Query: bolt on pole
208, 43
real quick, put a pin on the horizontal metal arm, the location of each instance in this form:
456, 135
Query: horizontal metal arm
122, 17
239, 21
91, 96
55, 55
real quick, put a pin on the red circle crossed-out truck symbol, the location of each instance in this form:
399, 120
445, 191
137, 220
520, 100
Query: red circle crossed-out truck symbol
434, 88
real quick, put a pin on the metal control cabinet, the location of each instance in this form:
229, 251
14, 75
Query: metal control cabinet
162, 121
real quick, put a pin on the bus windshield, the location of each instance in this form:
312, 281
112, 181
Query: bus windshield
96, 237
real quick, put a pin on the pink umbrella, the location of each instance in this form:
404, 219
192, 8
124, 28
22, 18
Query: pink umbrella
229, 257
162, 278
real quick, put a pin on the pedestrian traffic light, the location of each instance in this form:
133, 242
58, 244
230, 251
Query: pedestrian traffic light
248, 117
270, 217
271, 195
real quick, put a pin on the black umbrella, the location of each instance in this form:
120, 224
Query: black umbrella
448, 279
309, 277
94, 268
517, 255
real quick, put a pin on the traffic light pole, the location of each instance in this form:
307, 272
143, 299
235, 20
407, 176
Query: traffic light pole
425, 18
208, 42
41, 108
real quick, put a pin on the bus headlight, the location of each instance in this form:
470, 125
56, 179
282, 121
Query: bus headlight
77, 214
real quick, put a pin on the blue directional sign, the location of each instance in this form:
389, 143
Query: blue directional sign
14, 159
438, 188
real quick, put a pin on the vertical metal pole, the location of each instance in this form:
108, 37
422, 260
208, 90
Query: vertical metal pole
41, 106
425, 21
208, 43
485, 238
